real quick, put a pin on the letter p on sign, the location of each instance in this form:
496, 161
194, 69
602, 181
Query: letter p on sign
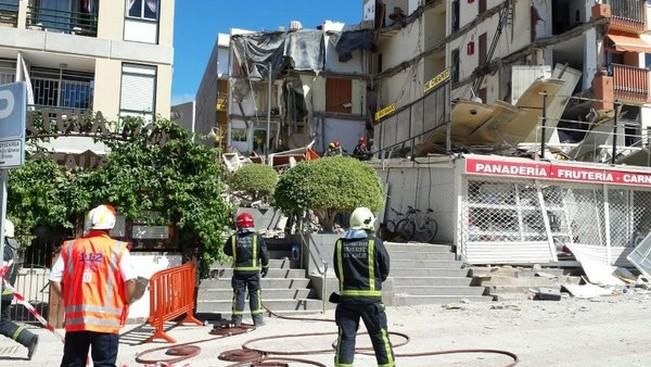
7, 103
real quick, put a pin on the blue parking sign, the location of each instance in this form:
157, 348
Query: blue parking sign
13, 109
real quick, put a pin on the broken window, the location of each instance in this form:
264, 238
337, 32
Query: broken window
339, 95
483, 43
482, 6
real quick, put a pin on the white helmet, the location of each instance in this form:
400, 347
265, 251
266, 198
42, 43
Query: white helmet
362, 218
102, 217
10, 230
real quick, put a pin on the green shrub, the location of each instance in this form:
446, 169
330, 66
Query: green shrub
328, 186
256, 180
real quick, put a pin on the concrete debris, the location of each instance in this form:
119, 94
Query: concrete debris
640, 257
542, 274
643, 282
506, 307
546, 294
587, 291
452, 306
596, 268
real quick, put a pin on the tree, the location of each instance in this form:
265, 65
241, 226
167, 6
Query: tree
328, 186
256, 180
155, 168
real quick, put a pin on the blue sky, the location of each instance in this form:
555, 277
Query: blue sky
198, 22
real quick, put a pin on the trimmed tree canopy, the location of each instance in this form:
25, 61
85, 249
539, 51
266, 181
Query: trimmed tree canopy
328, 186
256, 180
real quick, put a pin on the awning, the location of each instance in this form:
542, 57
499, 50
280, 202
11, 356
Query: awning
629, 42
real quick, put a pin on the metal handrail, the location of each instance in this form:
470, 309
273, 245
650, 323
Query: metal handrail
307, 245
84, 24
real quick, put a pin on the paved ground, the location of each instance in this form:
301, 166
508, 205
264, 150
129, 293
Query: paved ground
612, 331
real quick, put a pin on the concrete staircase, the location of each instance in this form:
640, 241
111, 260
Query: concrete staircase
429, 274
285, 291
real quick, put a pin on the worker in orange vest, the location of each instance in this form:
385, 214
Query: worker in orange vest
97, 280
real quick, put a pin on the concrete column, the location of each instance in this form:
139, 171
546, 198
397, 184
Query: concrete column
604, 90
22, 14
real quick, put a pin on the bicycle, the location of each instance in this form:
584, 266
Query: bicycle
423, 228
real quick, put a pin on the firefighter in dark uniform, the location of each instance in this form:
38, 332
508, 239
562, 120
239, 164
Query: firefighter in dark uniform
250, 257
361, 263
7, 328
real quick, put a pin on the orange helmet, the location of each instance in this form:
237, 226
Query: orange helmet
244, 220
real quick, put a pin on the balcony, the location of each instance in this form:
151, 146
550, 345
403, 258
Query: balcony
9, 13
630, 84
82, 22
628, 15
70, 90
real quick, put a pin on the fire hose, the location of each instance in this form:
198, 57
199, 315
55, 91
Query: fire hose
256, 357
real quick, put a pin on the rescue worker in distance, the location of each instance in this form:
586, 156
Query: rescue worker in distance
361, 264
96, 277
250, 257
9, 267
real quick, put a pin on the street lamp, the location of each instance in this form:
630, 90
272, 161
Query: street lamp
256, 76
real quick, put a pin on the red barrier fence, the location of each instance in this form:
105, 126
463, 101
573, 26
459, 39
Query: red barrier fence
171, 296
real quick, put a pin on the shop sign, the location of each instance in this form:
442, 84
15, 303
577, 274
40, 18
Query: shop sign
556, 171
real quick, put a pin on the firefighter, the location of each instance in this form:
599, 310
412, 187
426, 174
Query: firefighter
361, 264
250, 257
7, 328
99, 282
361, 151
334, 149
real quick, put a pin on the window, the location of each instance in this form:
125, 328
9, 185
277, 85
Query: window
483, 43
455, 65
143, 9
455, 16
647, 60
339, 95
482, 6
138, 90
62, 88
239, 135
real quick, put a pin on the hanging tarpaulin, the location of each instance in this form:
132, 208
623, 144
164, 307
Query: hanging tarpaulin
306, 50
349, 41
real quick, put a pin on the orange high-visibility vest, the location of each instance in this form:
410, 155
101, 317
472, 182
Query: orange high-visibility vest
94, 293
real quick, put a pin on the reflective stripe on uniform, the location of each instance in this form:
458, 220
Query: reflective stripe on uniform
254, 257
88, 320
247, 268
340, 264
100, 309
361, 293
387, 349
16, 333
371, 265
258, 306
234, 249
113, 265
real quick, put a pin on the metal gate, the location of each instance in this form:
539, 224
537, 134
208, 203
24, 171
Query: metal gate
527, 221
32, 280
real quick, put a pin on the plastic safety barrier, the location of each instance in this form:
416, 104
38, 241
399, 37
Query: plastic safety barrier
171, 296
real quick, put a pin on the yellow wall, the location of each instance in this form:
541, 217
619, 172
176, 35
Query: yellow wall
111, 19
107, 87
164, 91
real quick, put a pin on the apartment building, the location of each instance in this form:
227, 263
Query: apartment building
317, 79
212, 95
485, 44
112, 57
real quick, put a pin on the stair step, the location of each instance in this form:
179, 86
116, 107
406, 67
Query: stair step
429, 281
440, 291
425, 264
413, 246
270, 283
273, 264
273, 273
227, 315
404, 300
286, 293
421, 255
423, 272
225, 306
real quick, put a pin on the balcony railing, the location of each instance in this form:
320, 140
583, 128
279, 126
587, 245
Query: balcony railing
631, 84
628, 15
9, 13
83, 24
62, 93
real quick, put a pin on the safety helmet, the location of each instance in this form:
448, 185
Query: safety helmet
102, 217
244, 220
362, 218
332, 145
10, 230
337, 144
